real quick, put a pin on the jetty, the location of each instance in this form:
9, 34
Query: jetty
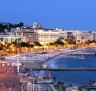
81, 53
63, 69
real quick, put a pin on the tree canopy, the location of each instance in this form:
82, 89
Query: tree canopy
58, 42
37, 44
8, 26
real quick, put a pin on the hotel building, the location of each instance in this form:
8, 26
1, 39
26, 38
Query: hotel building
46, 36
6, 39
94, 36
83, 35
28, 33
62, 34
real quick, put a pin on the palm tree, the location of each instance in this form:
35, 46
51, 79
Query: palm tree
1, 39
91, 82
80, 88
54, 79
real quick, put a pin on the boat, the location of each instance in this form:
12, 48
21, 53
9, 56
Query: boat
81, 57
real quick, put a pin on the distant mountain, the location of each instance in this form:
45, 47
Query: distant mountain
8, 26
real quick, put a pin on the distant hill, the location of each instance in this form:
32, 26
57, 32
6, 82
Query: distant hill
8, 26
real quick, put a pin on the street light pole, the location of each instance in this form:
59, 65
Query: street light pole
29, 86
18, 65
38, 85
33, 84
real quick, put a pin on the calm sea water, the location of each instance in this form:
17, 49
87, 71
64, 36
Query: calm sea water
73, 77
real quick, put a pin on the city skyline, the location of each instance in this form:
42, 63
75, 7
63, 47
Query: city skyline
65, 14
47, 45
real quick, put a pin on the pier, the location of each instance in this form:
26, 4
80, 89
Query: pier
63, 69
81, 53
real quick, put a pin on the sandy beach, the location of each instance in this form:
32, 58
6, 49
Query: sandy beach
36, 59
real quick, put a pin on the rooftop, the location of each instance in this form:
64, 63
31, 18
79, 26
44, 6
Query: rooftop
9, 80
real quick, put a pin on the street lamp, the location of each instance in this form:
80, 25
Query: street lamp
29, 86
18, 65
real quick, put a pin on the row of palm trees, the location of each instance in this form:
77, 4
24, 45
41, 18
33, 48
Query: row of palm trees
61, 86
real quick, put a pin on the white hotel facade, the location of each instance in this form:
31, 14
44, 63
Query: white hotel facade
8, 38
46, 36
83, 35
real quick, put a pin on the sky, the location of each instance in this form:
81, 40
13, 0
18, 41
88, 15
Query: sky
65, 14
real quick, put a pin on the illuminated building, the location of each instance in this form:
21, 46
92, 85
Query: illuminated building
46, 36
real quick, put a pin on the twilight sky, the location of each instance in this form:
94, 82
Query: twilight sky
66, 14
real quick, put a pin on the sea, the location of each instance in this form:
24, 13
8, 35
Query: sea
78, 78
73, 61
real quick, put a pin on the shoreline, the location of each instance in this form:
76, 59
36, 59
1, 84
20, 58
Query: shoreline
47, 55
41, 57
